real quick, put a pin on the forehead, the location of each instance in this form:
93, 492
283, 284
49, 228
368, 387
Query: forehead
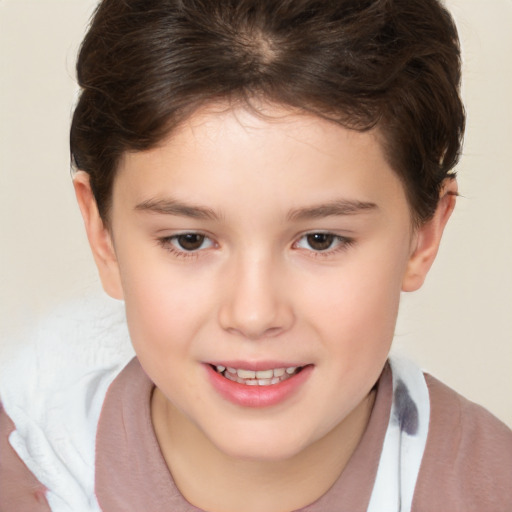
274, 153
252, 120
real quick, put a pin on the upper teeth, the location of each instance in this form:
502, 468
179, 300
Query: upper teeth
260, 374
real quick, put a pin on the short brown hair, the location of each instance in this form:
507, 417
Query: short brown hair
146, 65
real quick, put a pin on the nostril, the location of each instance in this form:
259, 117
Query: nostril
272, 331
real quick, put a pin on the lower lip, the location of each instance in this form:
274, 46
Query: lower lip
257, 396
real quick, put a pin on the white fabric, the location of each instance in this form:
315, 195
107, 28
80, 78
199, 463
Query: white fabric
405, 440
54, 388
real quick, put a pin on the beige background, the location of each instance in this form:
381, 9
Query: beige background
459, 326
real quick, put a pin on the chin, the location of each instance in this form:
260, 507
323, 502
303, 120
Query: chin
257, 446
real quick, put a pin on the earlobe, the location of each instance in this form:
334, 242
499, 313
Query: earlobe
428, 238
99, 236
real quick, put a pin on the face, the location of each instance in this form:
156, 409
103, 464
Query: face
261, 261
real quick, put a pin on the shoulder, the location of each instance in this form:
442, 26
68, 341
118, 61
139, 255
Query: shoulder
52, 387
468, 457
131, 473
19, 488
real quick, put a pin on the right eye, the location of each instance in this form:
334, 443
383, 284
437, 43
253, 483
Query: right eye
322, 242
186, 243
190, 241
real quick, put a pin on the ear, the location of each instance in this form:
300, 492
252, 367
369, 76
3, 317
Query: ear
99, 236
428, 237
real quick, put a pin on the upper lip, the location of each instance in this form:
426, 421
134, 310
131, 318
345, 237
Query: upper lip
255, 365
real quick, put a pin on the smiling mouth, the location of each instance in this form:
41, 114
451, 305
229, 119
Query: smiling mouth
257, 378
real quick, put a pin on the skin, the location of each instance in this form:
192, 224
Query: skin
258, 289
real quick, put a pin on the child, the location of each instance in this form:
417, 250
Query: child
259, 181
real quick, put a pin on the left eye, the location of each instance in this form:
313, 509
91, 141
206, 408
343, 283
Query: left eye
190, 242
320, 241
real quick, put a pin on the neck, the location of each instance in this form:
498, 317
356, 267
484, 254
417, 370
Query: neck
216, 482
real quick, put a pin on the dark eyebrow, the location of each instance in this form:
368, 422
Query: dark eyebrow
339, 207
173, 207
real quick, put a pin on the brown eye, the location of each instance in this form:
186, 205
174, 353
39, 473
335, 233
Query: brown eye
320, 241
190, 241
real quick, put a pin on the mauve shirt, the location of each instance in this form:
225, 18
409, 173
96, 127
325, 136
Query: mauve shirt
467, 464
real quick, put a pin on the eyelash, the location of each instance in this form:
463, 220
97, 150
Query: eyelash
168, 244
341, 243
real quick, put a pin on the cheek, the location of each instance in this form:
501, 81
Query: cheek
358, 303
162, 307
160, 316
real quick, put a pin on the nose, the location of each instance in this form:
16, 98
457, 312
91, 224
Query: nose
257, 303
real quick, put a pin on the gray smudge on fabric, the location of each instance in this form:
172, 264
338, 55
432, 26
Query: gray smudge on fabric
406, 412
